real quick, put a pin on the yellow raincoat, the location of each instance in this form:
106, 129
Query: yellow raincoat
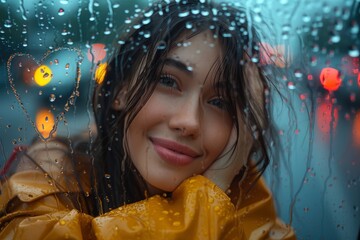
35, 205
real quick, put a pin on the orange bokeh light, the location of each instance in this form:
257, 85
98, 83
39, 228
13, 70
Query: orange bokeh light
97, 52
356, 129
330, 79
45, 123
100, 72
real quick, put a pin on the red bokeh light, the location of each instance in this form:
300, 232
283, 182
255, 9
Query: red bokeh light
97, 51
326, 117
330, 79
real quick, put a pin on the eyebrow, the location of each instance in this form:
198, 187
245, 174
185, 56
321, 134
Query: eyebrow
178, 64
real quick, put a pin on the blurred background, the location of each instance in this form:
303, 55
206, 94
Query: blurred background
49, 51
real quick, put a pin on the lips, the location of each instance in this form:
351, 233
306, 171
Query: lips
173, 152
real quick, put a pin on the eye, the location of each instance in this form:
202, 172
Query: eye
168, 81
219, 102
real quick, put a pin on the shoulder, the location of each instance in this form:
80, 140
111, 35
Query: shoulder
43, 169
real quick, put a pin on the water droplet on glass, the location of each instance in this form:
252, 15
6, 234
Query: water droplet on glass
188, 25
354, 28
298, 73
116, 5
291, 85
306, 18
107, 176
195, 11
353, 52
205, 13
107, 31
257, 18
61, 12
335, 38
7, 23
161, 45
147, 34
149, 13
56, 61
121, 42
67, 66
184, 14
146, 21
52, 97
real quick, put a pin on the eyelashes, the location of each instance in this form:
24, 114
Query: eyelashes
170, 83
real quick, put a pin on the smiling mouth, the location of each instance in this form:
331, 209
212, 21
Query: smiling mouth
173, 152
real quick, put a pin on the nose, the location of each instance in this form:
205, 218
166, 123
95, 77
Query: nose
186, 117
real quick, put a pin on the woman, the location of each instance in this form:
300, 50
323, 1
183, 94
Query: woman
181, 119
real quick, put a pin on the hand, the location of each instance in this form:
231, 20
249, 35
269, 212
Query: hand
224, 169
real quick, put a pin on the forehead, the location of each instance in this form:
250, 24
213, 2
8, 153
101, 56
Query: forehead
194, 50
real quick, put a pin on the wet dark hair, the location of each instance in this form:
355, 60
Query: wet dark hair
135, 68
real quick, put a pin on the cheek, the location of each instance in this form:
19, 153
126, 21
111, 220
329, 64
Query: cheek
216, 135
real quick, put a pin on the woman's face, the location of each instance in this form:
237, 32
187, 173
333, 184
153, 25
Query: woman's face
184, 126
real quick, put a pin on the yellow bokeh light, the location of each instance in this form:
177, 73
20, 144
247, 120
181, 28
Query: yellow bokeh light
100, 72
45, 123
43, 75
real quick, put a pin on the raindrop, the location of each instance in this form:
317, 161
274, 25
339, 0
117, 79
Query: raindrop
161, 45
205, 13
116, 5
8, 23
338, 25
291, 85
226, 35
146, 21
149, 13
107, 176
52, 97
61, 12
298, 73
335, 38
353, 52
121, 42
107, 31
195, 11
184, 14
257, 18
70, 42
8, 126
56, 61
40, 93
354, 28
188, 25
147, 34
255, 59
67, 66
306, 18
